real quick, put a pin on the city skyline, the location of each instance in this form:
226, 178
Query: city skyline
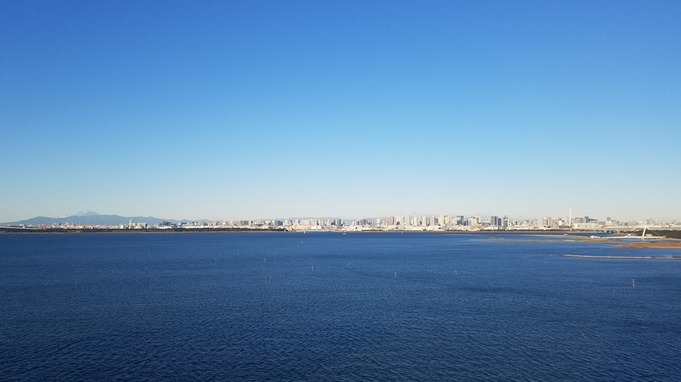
237, 110
85, 218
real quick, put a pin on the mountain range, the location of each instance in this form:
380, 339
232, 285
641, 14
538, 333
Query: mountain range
91, 218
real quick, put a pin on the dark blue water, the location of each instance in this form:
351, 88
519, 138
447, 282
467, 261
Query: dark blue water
326, 306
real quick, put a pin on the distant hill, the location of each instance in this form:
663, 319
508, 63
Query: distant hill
90, 218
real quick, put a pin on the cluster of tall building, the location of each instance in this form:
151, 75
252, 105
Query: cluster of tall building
422, 223
442, 222
476, 223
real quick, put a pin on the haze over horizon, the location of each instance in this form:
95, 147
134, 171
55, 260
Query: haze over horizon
254, 109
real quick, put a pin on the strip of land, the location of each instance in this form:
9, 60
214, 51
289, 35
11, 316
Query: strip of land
624, 257
559, 239
616, 241
653, 244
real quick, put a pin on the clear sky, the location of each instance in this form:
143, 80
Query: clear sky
260, 109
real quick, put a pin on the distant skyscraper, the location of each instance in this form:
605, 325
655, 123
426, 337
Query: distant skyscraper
495, 221
570, 218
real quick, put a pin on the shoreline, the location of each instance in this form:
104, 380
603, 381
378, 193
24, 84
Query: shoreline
574, 235
135, 231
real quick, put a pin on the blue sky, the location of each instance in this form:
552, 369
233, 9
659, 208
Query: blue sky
258, 109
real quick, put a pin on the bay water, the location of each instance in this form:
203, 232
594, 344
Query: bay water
332, 307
